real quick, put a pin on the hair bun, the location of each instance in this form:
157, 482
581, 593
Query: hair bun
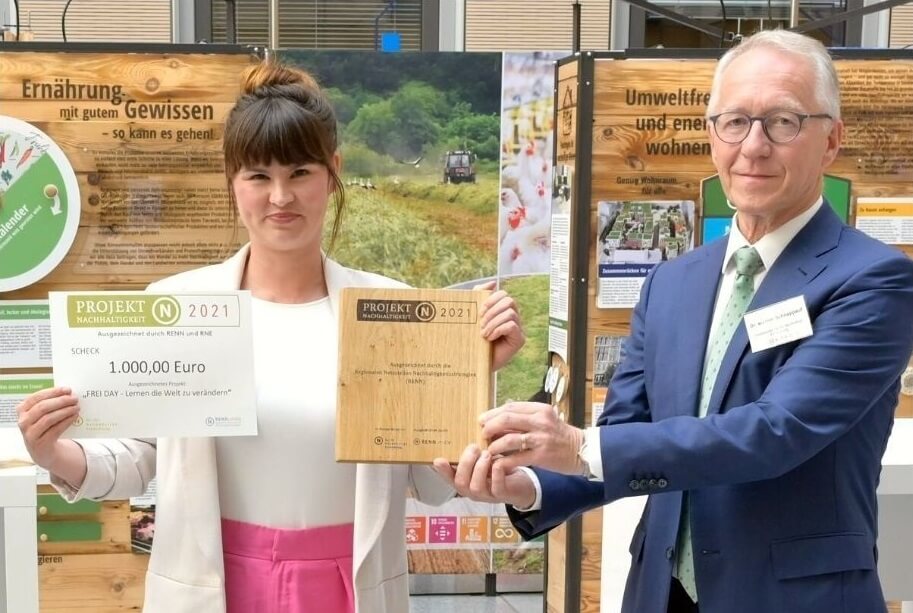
259, 79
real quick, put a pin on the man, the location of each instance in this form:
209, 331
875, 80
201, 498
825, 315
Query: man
760, 452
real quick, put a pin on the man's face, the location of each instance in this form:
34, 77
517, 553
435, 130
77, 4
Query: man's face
763, 179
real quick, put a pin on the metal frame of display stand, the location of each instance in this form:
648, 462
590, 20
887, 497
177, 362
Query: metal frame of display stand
578, 281
807, 26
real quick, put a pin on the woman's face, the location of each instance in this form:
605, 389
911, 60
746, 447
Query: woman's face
283, 207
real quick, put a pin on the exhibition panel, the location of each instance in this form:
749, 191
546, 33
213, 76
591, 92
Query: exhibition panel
633, 136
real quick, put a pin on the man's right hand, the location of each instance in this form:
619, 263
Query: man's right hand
478, 477
43, 416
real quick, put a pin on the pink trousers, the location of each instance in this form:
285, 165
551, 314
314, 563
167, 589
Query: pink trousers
287, 571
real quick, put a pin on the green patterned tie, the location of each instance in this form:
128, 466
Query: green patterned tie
747, 264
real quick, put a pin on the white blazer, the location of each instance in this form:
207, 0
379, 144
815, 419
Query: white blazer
185, 572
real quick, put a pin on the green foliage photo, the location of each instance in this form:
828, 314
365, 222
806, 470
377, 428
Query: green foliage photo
406, 106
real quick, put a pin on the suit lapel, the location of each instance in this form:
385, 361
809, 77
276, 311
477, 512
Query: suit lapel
698, 294
199, 478
337, 277
798, 265
373, 483
195, 458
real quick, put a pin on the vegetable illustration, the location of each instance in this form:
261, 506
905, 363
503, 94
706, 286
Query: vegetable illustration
25, 157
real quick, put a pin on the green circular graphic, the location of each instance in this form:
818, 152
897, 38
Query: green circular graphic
39, 204
166, 311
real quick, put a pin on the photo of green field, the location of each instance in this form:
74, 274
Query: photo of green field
421, 232
522, 378
420, 142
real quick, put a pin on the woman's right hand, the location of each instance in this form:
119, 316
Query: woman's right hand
43, 416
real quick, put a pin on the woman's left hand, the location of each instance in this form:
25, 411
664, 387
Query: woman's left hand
501, 325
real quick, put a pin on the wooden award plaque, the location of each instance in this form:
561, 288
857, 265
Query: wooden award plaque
414, 374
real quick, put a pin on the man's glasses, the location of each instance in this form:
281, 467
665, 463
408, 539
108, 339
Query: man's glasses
779, 126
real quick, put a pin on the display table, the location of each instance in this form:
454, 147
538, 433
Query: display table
18, 542
895, 525
895, 516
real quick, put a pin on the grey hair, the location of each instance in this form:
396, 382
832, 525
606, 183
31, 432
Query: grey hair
827, 85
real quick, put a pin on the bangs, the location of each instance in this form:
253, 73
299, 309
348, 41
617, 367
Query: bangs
277, 130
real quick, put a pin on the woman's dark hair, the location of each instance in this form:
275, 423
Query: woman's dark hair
282, 115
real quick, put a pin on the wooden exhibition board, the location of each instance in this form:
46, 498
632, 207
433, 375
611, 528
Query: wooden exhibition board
648, 141
153, 191
566, 132
153, 202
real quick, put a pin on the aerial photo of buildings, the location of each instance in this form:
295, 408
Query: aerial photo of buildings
644, 231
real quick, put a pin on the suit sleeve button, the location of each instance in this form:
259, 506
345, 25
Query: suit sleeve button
662, 483
644, 484
670, 552
653, 484
634, 484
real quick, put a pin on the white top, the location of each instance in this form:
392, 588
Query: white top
287, 476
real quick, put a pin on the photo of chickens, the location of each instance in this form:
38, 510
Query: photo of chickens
142, 528
524, 204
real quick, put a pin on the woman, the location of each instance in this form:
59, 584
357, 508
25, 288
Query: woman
268, 523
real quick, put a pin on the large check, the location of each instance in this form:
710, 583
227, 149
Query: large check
152, 364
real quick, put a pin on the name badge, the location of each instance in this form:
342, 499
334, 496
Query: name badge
778, 323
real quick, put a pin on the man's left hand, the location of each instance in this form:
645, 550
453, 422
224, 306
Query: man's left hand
532, 434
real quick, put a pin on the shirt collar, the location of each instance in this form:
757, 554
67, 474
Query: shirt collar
771, 245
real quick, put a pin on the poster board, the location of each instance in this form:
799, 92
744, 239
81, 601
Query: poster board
137, 134
142, 134
153, 194
648, 138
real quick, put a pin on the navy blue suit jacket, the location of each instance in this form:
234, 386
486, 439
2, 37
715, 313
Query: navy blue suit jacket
782, 472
